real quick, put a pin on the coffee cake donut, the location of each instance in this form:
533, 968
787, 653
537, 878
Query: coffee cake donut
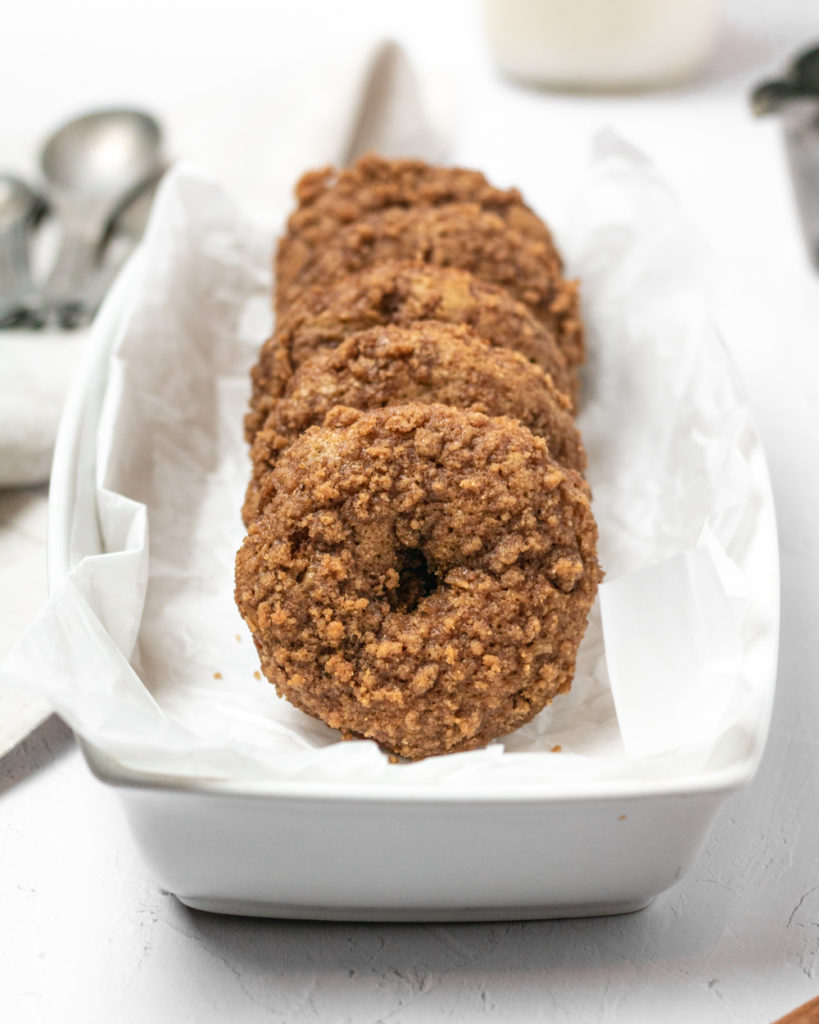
422, 576
330, 198
454, 235
399, 293
428, 361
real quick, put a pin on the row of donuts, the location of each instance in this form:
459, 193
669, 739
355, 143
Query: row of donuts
390, 243
421, 553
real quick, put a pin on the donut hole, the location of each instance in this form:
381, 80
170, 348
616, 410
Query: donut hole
298, 539
389, 305
415, 580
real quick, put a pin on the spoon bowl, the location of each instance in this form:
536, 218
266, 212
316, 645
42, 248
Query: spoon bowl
90, 165
103, 155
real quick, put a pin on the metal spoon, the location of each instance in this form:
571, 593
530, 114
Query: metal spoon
130, 218
20, 208
124, 230
90, 165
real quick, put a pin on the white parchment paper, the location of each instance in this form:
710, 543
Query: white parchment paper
143, 652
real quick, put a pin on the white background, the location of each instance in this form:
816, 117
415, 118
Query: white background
85, 936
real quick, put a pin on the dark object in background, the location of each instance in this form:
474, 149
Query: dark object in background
800, 80
795, 97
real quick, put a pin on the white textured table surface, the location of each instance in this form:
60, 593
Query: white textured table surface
87, 937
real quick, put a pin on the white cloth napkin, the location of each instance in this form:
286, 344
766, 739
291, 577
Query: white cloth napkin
256, 145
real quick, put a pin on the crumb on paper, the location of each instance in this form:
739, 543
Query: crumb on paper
257, 674
238, 639
217, 675
622, 817
556, 748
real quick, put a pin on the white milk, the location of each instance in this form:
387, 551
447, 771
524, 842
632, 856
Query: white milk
601, 44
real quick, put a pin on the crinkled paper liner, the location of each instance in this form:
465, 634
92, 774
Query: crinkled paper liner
143, 652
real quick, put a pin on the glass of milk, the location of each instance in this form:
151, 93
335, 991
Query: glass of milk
601, 44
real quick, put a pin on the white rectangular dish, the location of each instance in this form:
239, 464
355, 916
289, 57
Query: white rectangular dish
516, 843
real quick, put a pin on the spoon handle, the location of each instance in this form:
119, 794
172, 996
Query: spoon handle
16, 291
66, 291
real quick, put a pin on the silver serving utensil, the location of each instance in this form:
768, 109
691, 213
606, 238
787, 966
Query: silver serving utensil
20, 208
130, 218
123, 231
90, 165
